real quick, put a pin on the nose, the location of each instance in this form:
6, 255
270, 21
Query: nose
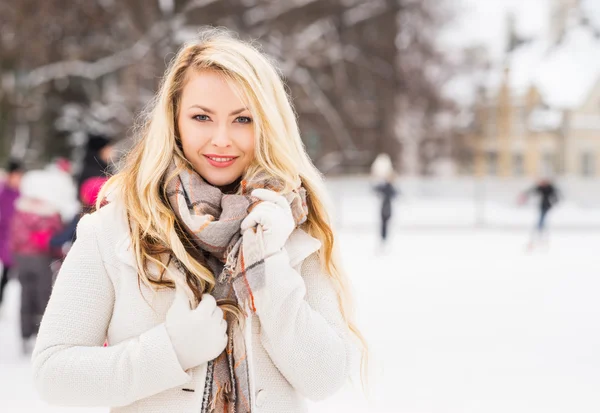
220, 138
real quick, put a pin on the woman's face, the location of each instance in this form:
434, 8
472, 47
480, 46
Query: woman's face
215, 127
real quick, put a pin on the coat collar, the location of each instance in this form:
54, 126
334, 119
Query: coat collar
300, 245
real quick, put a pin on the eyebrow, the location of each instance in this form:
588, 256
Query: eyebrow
207, 110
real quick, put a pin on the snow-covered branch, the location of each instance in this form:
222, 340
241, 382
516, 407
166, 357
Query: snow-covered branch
305, 79
261, 14
112, 63
103, 66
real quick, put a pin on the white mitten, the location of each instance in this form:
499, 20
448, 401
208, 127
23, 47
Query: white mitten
275, 217
198, 335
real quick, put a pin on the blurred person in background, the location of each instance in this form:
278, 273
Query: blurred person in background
88, 194
381, 168
548, 198
382, 176
9, 192
35, 221
211, 271
64, 165
387, 192
59, 187
61, 242
98, 155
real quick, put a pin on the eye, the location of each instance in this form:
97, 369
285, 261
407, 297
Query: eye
243, 119
201, 118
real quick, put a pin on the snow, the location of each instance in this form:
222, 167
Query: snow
463, 88
484, 23
166, 6
545, 119
363, 12
524, 64
571, 70
457, 321
591, 9
564, 73
112, 63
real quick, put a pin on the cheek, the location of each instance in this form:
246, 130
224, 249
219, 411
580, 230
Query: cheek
192, 137
247, 143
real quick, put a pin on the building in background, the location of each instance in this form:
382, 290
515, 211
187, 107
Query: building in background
539, 114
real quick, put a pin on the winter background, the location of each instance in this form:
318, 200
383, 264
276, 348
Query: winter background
458, 319
458, 314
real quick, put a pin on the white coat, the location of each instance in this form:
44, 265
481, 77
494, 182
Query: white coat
299, 345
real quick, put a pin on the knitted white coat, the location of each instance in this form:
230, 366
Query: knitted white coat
298, 343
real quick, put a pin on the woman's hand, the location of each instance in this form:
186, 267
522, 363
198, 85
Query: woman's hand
198, 335
275, 217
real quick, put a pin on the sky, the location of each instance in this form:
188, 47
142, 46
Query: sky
484, 22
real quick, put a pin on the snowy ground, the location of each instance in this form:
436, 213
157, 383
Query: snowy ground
458, 321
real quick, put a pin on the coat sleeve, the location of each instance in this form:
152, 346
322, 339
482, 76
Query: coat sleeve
70, 364
302, 328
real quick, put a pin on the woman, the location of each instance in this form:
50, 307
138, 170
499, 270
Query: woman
211, 271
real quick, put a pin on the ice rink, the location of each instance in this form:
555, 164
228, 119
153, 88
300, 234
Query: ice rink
457, 321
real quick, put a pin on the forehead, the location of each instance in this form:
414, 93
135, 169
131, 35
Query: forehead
212, 87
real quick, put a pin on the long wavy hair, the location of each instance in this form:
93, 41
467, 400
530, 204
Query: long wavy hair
156, 234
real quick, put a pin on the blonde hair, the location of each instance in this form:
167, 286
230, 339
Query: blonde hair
141, 185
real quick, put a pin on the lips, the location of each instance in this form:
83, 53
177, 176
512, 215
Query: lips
220, 161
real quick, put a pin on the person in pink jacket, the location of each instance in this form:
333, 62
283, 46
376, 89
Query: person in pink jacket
34, 222
212, 270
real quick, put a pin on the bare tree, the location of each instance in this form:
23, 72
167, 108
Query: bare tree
364, 74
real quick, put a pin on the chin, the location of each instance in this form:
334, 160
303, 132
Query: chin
219, 180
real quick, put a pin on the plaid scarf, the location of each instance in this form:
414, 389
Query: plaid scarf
213, 220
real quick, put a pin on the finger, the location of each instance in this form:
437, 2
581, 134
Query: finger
271, 196
248, 222
207, 303
181, 302
261, 214
254, 218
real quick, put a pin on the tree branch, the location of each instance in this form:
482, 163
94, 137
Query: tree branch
109, 64
329, 112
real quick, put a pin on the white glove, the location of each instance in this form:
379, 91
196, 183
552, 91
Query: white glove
275, 217
198, 335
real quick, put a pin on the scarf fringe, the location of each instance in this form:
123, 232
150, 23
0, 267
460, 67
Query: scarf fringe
223, 393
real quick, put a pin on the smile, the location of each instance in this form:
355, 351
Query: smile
220, 161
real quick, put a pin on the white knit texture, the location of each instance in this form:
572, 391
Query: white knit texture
301, 347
